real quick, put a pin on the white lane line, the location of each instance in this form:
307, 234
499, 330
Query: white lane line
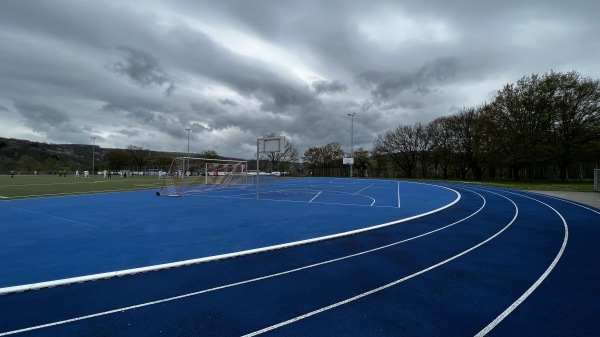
567, 201
370, 292
104, 313
318, 194
537, 283
56, 217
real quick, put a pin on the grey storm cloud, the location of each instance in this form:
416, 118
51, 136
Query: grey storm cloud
143, 69
228, 101
323, 87
45, 119
141, 72
386, 85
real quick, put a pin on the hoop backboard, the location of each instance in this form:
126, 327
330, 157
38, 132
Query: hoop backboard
270, 145
347, 161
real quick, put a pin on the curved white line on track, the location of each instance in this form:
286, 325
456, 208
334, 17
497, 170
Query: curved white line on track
567, 201
93, 277
104, 313
537, 283
370, 292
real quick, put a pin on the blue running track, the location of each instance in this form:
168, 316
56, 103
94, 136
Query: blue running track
312, 257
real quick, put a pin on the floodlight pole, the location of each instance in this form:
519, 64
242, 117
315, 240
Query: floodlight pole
93, 154
352, 141
188, 158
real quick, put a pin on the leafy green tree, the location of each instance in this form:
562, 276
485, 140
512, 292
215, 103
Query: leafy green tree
116, 159
73, 165
576, 124
209, 154
139, 155
52, 164
324, 158
28, 164
162, 161
361, 161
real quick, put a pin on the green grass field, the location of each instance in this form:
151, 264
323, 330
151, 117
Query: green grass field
28, 186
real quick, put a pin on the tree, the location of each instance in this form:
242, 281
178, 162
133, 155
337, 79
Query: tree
162, 161
28, 164
313, 157
209, 154
442, 147
576, 124
325, 157
116, 159
289, 155
361, 161
524, 113
73, 165
52, 164
553, 118
140, 156
403, 145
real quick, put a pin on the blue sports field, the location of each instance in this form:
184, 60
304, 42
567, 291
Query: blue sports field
310, 257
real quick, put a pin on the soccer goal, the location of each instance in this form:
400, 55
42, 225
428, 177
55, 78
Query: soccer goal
195, 175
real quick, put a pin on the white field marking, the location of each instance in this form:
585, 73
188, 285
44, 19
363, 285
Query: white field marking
363, 189
318, 194
118, 273
370, 292
56, 217
537, 283
398, 194
252, 196
52, 184
35, 196
104, 313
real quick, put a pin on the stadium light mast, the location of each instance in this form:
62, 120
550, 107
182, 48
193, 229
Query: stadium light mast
352, 141
93, 154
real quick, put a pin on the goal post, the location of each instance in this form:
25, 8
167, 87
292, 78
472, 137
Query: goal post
195, 175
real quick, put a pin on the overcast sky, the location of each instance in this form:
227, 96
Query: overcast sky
141, 72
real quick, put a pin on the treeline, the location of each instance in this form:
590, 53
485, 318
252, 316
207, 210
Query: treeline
534, 127
132, 158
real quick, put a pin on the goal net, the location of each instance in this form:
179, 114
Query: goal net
195, 175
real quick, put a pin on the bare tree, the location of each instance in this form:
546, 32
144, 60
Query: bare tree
403, 145
442, 148
289, 155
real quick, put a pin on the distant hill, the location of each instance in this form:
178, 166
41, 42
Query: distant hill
12, 149
71, 156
